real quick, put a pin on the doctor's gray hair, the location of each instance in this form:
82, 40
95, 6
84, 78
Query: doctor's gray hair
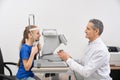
97, 25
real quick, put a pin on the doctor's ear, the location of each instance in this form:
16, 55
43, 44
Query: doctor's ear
97, 31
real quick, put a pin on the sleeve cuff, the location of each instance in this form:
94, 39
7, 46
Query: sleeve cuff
69, 60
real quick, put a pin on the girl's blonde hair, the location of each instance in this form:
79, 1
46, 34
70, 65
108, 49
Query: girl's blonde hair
25, 36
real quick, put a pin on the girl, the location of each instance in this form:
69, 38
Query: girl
28, 52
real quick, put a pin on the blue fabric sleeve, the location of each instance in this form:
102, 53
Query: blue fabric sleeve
24, 53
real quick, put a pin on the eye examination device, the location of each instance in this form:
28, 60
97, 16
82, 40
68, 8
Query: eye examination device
52, 41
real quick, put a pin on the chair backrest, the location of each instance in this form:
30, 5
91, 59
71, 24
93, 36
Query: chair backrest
1, 63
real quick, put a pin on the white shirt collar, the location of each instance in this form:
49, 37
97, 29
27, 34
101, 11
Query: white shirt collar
96, 40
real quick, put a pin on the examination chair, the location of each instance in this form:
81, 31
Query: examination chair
4, 65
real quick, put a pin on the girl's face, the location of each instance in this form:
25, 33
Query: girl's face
36, 35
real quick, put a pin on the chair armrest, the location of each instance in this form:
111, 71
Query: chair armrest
9, 63
5, 77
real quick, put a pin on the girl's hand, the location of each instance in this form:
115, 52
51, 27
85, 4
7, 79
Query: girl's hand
34, 49
39, 46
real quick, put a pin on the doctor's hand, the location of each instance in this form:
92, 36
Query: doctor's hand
63, 55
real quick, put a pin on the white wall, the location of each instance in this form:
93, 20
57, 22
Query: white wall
67, 16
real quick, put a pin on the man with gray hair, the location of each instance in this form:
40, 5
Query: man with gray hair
94, 65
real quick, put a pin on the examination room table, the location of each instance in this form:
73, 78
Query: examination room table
115, 72
50, 70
